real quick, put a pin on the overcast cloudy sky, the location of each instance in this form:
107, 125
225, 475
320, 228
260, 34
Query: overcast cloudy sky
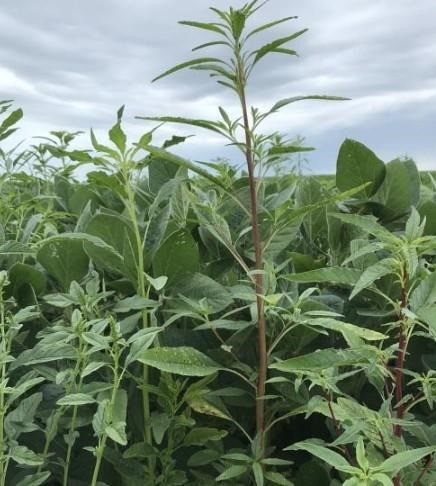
71, 64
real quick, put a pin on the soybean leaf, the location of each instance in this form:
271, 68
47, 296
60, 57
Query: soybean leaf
180, 361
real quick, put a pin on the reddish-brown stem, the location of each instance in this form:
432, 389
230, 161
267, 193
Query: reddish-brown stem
383, 443
424, 471
399, 378
336, 425
402, 344
259, 284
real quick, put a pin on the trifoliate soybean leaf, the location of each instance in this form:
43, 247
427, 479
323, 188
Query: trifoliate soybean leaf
358, 165
200, 286
177, 258
400, 189
64, 258
180, 361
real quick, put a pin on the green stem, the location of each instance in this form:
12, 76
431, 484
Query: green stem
70, 446
99, 457
2, 396
70, 441
143, 292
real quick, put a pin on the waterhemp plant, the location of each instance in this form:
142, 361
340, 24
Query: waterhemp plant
260, 150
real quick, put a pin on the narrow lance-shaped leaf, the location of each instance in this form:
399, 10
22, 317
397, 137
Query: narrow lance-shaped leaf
186, 65
207, 124
287, 101
269, 25
330, 457
271, 46
181, 162
403, 459
203, 25
333, 275
288, 149
322, 359
373, 273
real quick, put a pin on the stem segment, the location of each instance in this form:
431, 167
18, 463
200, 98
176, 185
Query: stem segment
259, 283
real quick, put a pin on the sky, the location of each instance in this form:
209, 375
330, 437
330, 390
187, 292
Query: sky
71, 64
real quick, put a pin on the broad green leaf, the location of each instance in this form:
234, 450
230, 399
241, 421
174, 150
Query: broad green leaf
177, 258
358, 165
400, 189
180, 361
346, 328
160, 171
427, 210
200, 286
26, 280
15, 248
64, 258
206, 407
118, 137
43, 353
117, 233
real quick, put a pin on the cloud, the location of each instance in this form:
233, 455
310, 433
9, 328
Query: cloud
71, 65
